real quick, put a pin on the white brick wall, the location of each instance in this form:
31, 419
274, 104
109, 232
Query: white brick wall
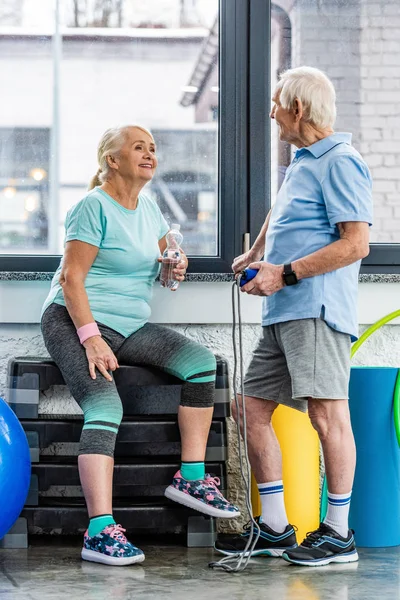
382, 349
380, 45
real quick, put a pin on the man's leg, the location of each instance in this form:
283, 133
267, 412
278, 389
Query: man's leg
276, 535
320, 372
331, 420
264, 451
332, 541
265, 458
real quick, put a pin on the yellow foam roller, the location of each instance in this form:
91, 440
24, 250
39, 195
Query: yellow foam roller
300, 461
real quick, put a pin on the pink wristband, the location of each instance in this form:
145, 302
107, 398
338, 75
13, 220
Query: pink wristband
87, 331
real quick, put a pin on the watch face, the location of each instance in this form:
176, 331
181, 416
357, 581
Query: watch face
290, 279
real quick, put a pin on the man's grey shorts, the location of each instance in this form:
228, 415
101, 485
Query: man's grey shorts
297, 360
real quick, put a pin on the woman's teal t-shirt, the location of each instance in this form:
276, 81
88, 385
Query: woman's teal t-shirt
119, 282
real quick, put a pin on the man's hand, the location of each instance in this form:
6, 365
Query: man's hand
243, 261
268, 281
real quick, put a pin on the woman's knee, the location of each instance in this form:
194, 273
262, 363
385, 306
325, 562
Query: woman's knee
198, 387
102, 418
200, 365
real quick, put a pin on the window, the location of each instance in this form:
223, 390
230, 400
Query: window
69, 74
356, 43
199, 73
24, 167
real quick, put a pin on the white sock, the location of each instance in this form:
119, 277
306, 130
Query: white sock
337, 516
273, 511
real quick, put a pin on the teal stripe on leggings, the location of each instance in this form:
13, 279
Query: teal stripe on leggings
190, 361
105, 407
206, 379
102, 427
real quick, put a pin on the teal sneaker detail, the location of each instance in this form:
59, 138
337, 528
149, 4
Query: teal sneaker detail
110, 547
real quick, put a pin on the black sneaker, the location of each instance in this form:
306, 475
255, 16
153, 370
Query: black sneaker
323, 546
270, 543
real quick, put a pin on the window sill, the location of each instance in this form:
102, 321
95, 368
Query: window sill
191, 277
197, 300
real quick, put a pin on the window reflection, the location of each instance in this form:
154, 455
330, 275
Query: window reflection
120, 62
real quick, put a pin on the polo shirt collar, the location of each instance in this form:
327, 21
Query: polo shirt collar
326, 144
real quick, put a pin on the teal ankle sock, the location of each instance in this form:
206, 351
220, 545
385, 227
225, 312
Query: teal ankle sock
193, 470
97, 524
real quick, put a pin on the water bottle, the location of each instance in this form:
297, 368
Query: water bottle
171, 257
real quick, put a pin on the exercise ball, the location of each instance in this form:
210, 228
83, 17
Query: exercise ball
15, 468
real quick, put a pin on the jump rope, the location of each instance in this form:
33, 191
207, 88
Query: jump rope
238, 562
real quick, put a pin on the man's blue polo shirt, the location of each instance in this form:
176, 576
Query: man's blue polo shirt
326, 184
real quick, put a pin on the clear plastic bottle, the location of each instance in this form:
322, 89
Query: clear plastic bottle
171, 257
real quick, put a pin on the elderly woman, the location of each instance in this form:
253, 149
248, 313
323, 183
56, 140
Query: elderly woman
96, 317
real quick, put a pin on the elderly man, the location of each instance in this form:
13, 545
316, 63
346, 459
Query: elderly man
312, 241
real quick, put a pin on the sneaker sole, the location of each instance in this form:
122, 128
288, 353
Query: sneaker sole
341, 558
272, 552
182, 498
97, 557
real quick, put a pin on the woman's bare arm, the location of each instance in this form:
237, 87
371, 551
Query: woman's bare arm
78, 258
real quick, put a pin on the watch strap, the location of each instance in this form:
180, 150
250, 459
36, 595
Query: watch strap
287, 268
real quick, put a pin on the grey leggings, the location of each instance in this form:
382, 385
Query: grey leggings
152, 345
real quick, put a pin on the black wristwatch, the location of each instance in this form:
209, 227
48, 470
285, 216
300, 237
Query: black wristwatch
289, 276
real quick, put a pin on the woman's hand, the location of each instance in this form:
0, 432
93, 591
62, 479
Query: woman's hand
179, 271
181, 268
100, 356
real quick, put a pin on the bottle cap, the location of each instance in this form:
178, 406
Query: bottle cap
175, 226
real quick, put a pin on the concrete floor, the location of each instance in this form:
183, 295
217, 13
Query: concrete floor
48, 570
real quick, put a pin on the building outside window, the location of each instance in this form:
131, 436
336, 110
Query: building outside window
114, 63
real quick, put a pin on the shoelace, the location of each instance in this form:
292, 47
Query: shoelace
117, 533
247, 527
312, 537
258, 520
213, 482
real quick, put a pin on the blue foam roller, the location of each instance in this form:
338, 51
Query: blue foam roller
375, 505
15, 468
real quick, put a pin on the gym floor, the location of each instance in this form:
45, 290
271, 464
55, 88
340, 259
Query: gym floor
49, 570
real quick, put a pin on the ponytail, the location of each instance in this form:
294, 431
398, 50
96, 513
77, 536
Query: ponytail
95, 181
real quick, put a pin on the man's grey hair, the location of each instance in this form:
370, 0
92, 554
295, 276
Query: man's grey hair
314, 89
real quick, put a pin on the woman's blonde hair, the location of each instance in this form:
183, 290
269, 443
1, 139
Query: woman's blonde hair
111, 143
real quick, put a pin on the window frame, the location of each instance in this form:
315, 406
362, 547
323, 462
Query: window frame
232, 152
382, 259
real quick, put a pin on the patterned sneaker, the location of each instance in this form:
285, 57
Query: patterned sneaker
111, 547
323, 546
270, 543
202, 495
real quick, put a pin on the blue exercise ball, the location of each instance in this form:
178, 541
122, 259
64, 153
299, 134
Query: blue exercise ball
15, 468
